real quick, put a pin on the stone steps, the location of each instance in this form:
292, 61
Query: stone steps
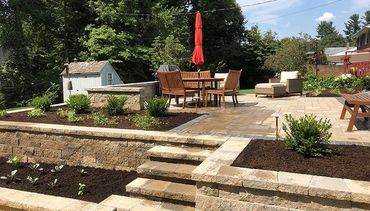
163, 190
154, 169
135, 204
179, 153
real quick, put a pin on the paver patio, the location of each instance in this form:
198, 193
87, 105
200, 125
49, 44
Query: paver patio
252, 117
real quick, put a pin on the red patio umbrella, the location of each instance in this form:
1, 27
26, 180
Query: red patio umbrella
198, 58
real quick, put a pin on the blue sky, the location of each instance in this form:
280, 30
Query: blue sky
267, 16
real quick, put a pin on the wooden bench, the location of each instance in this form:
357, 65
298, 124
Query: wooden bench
353, 103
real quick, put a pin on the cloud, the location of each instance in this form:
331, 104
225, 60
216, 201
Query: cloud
327, 16
266, 13
359, 4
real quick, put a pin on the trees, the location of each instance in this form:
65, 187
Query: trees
291, 54
366, 18
329, 36
352, 26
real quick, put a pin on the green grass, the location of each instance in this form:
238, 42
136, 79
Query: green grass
246, 91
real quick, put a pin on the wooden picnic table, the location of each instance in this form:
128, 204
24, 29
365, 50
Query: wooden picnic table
203, 81
353, 103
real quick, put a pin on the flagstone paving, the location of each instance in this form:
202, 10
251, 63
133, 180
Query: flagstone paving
253, 117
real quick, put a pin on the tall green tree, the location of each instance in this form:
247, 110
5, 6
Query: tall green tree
366, 18
329, 36
352, 27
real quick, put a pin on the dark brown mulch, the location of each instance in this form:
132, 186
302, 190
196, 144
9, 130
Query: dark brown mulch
100, 183
351, 161
168, 122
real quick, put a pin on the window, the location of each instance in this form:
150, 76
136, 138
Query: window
110, 78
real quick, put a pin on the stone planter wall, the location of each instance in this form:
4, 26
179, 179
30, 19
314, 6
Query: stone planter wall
137, 93
223, 187
88, 146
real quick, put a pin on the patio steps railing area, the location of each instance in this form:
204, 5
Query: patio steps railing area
166, 176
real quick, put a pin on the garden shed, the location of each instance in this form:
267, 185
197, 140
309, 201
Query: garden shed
79, 76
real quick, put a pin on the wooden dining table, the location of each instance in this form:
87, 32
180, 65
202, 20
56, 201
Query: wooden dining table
203, 82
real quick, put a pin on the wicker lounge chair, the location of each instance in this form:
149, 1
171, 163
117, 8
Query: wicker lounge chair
172, 85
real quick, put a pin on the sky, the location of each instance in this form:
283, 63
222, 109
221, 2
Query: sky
290, 17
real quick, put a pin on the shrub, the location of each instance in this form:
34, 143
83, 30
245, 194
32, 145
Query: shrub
36, 113
3, 113
144, 121
62, 113
157, 106
79, 103
114, 105
99, 119
42, 103
307, 135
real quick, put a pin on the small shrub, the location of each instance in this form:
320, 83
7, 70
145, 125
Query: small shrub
62, 113
3, 114
101, 120
70, 115
42, 103
79, 103
144, 121
36, 113
157, 106
114, 105
307, 135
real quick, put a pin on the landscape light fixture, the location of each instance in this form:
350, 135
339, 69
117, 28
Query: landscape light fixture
276, 115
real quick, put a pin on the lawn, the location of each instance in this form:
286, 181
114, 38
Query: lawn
246, 91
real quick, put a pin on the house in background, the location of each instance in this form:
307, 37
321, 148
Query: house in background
363, 38
78, 76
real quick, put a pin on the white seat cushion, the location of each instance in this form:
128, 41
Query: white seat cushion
285, 75
269, 85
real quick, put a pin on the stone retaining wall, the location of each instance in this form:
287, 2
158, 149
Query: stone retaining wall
223, 187
137, 93
88, 146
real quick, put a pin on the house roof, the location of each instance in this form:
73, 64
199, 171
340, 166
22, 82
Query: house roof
367, 27
335, 50
92, 67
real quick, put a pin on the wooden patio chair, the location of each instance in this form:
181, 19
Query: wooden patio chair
195, 85
230, 87
353, 103
172, 85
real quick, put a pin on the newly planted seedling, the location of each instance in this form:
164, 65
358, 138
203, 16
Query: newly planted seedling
11, 176
82, 172
52, 184
35, 167
81, 189
14, 161
32, 180
57, 169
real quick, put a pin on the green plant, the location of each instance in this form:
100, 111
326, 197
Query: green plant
78, 103
57, 169
36, 113
52, 184
99, 119
42, 103
144, 121
157, 106
62, 113
2, 101
81, 189
13, 161
114, 105
35, 167
82, 172
307, 135
11, 176
3, 113
32, 180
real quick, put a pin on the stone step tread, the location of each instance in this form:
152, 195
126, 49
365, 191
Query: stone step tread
157, 168
186, 153
162, 189
136, 204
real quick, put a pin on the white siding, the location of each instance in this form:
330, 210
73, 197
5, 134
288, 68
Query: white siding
79, 84
108, 68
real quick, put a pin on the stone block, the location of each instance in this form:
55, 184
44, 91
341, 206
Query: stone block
208, 189
260, 179
229, 192
294, 183
207, 203
5, 148
328, 187
360, 191
51, 153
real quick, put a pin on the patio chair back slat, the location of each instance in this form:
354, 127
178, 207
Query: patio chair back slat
232, 80
171, 81
194, 85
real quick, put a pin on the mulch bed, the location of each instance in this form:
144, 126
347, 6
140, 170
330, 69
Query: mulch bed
100, 183
351, 161
168, 122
